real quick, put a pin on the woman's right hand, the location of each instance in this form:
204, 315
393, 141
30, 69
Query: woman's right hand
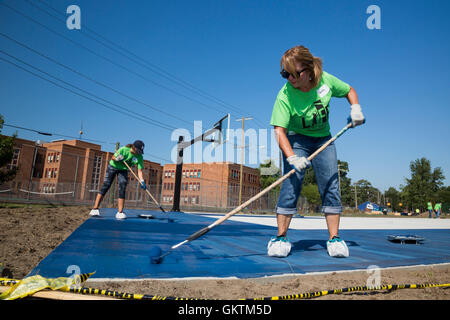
299, 163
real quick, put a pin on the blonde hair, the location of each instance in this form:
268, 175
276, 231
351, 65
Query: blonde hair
302, 55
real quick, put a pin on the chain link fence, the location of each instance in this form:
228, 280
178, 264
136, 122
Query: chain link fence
210, 198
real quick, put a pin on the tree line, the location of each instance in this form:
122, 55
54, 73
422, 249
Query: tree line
424, 185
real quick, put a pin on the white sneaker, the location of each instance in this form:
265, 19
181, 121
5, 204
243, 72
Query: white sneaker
279, 247
337, 247
94, 212
120, 215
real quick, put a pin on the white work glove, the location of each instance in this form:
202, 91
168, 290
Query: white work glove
119, 157
356, 115
299, 163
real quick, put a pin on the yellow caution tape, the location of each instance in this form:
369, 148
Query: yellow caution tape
36, 283
307, 295
8, 282
33, 284
310, 295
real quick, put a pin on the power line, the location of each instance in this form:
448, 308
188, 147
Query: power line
121, 110
150, 66
89, 78
53, 134
110, 61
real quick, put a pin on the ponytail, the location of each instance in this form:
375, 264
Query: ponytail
317, 71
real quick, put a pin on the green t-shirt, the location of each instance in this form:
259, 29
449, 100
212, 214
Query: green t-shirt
437, 206
130, 158
430, 206
307, 113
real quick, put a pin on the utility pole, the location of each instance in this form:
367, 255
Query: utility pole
356, 198
242, 157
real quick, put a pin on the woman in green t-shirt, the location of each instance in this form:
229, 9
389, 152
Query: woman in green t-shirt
131, 154
300, 118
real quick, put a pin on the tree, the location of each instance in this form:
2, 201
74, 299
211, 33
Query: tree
443, 195
423, 184
347, 192
366, 192
6, 156
268, 174
311, 193
393, 197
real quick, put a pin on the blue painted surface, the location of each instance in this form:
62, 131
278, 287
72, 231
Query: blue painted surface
121, 249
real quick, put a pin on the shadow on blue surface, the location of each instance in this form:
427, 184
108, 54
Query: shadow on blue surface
120, 249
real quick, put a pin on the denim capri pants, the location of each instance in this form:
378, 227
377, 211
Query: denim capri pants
326, 171
122, 180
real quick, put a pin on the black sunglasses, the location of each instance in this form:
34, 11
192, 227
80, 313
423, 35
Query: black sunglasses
286, 74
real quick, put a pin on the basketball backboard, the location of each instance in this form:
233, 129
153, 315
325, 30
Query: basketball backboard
222, 131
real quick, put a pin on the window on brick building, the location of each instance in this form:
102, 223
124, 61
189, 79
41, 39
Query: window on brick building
96, 170
15, 159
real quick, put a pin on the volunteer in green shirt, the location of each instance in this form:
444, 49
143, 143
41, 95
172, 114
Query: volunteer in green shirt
430, 209
132, 155
437, 210
300, 117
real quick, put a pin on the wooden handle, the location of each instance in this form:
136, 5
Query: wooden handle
148, 192
260, 194
279, 181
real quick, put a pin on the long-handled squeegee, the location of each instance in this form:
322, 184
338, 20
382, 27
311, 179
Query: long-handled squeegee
148, 192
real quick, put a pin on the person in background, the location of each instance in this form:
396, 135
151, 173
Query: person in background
430, 209
132, 155
300, 118
437, 210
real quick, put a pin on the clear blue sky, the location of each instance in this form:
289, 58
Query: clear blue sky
231, 51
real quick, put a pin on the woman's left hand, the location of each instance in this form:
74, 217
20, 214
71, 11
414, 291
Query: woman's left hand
356, 115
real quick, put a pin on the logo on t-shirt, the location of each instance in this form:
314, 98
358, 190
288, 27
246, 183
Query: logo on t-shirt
317, 118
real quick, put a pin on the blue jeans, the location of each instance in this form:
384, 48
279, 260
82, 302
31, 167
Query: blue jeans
326, 171
122, 181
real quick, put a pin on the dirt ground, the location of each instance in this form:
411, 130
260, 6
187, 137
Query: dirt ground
27, 235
